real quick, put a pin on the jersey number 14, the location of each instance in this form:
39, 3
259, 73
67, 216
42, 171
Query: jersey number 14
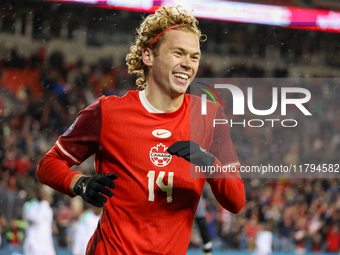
161, 185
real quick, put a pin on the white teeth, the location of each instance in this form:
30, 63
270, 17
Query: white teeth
180, 75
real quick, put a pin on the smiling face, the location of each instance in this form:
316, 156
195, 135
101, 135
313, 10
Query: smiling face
176, 64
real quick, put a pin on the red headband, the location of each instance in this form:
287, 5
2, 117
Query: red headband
154, 39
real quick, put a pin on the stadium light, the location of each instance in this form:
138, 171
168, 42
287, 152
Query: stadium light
283, 16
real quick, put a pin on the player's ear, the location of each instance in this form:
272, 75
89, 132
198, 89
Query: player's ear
147, 57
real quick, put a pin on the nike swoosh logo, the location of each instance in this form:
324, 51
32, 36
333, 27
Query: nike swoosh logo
161, 133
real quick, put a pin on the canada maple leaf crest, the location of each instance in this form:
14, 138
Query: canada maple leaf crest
159, 156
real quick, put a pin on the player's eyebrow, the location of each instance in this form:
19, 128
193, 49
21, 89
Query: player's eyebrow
185, 51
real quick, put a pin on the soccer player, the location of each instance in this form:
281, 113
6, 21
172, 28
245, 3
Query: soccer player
143, 142
84, 229
264, 241
38, 216
203, 227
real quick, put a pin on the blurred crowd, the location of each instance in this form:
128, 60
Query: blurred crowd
241, 42
304, 214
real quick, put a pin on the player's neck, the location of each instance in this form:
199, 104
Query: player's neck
162, 101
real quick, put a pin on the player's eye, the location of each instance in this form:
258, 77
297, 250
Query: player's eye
178, 53
195, 58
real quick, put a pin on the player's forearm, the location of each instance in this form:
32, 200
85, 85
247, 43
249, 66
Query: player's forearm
229, 192
54, 172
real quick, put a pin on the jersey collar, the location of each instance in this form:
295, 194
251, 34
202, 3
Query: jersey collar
146, 104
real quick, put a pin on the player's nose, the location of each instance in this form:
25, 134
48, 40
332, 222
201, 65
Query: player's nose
186, 62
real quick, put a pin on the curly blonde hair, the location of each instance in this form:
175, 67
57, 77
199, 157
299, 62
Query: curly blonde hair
152, 25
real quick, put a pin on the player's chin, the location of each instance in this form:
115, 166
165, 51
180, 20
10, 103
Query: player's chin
180, 88
179, 92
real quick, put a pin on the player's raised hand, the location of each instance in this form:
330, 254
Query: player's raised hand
192, 152
92, 188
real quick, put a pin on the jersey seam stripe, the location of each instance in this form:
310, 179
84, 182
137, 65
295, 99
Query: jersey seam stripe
235, 163
66, 153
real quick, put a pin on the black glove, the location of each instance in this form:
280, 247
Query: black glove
91, 188
192, 152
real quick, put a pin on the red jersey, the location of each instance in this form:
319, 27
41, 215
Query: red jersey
154, 202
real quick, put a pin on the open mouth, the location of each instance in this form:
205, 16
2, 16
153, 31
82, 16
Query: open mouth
182, 78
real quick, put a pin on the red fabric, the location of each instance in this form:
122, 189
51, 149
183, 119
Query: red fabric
333, 240
231, 188
54, 168
146, 215
54, 171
